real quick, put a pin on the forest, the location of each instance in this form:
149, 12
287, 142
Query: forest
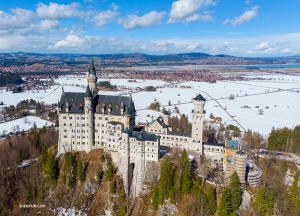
7, 78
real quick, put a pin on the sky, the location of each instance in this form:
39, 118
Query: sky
251, 28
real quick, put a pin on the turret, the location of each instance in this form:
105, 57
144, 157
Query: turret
58, 108
166, 117
91, 77
89, 120
197, 124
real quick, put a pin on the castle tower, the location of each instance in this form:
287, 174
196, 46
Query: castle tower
89, 120
91, 77
197, 124
166, 117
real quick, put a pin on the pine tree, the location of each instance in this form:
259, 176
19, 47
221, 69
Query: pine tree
109, 173
112, 187
212, 200
169, 103
294, 193
225, 207
186, 175
166, 180
235, 191
259, 203
155, 197
79, 169
163, 110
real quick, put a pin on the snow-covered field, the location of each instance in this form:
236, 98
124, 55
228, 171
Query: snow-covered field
284, 104
19, 124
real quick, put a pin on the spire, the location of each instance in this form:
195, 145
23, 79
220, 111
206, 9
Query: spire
91, 68
58, 104
127, 111
88, 92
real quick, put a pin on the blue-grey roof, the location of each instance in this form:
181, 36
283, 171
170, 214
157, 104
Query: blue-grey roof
88, 92
143, 136
91, 69
232, 144
115, 103
199, 97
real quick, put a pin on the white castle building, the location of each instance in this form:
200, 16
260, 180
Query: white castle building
90, 120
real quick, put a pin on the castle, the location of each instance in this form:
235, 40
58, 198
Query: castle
90, 120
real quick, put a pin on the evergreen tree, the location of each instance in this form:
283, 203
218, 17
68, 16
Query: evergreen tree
79, 169
235, 191
169, 103
212, 199
186, 175
294, 193
225, 207
166, 180
155, 197
260, 204
163, 110
112, 187
110, 171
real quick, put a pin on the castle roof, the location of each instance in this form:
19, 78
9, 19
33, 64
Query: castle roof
143, 136
91, 69
115, 103
199, 97
88, 92
232, 144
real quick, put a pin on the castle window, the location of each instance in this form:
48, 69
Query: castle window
117, 105
152, 150
82, 118
73, 142
65, 131
83, 143
77, 118
106, 118
64, 117
70, 124
100, 118
65, 124
152, 155
65, 136
74, 104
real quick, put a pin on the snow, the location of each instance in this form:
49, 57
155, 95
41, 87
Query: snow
70, 211
11, 126
283, 105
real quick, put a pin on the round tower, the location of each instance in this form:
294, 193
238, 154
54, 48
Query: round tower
197, 124
91, 77
89, 120
166, 117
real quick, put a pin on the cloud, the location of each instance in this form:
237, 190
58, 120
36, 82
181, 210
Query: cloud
245, 17
19, 18
286, 50
264, 47
220, 48
187, 11
105, 17
247, 1
58, 11
71, 41
147, 20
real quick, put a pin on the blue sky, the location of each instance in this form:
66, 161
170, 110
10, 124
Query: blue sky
233, 27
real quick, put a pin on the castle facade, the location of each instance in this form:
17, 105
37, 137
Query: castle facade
90, 120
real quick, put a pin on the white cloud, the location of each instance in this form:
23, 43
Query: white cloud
245, 17
105, 17
286, 50
247, 1
220, 48
71, 41
262, 46
187, 11
58, 11
19, 18
147, 20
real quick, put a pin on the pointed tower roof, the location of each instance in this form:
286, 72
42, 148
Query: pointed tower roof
62, 90
88, 92
199, 97
58, 104
91, 68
